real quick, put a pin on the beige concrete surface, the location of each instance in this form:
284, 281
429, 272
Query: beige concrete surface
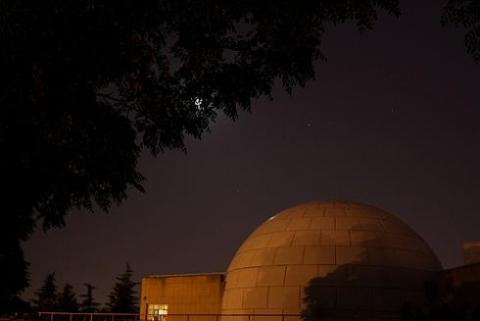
355, 259
183, 294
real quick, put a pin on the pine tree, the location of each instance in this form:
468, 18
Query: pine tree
123, 296
67, 300
88, 304
46, 296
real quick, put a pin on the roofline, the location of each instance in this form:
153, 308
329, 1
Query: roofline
184, 275
469, 265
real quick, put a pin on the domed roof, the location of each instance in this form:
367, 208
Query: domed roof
354, 257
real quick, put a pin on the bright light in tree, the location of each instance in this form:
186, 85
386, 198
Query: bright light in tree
198, 103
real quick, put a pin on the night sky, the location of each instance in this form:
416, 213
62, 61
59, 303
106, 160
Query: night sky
391, 120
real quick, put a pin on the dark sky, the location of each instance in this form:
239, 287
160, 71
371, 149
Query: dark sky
392, 120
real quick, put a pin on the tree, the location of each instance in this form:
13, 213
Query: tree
123, 296
46, 296
465, 13
13, 275
88, 304
67, 300
458, 302
85, 86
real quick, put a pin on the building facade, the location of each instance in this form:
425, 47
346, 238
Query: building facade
177, 295
319, 260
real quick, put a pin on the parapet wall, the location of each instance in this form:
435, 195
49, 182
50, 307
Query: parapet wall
182, 294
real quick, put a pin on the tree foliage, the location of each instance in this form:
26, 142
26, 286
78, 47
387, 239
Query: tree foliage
67, 300
86, 85
460, 302
465, 13
46, 296
88, 303
13, 274
123, 297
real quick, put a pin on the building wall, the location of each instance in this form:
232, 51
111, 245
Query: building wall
184, 294
471, 252
463, 274
462, 283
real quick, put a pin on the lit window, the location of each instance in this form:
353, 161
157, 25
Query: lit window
157, 312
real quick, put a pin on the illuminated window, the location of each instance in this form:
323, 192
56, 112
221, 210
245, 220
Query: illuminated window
157, 312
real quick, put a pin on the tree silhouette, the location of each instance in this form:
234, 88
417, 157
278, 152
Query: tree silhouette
46, 296
457, 302
88, 304
465, 13
123, 296
85, 86
13, 275
67, 300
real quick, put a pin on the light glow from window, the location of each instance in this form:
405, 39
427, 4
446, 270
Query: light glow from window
157, 311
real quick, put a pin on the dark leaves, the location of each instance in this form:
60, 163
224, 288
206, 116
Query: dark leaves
86, 85
466, 14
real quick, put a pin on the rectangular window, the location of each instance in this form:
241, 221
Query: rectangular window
157, 312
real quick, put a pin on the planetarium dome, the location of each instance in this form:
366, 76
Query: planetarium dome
338, 260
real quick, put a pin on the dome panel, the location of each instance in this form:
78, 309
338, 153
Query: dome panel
341, 256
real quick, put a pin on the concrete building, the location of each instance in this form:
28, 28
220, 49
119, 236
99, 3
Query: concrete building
181, 294
332, 260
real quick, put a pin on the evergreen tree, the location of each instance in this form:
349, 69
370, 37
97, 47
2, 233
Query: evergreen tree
46, 296
67, 301
123, 296
88, 304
